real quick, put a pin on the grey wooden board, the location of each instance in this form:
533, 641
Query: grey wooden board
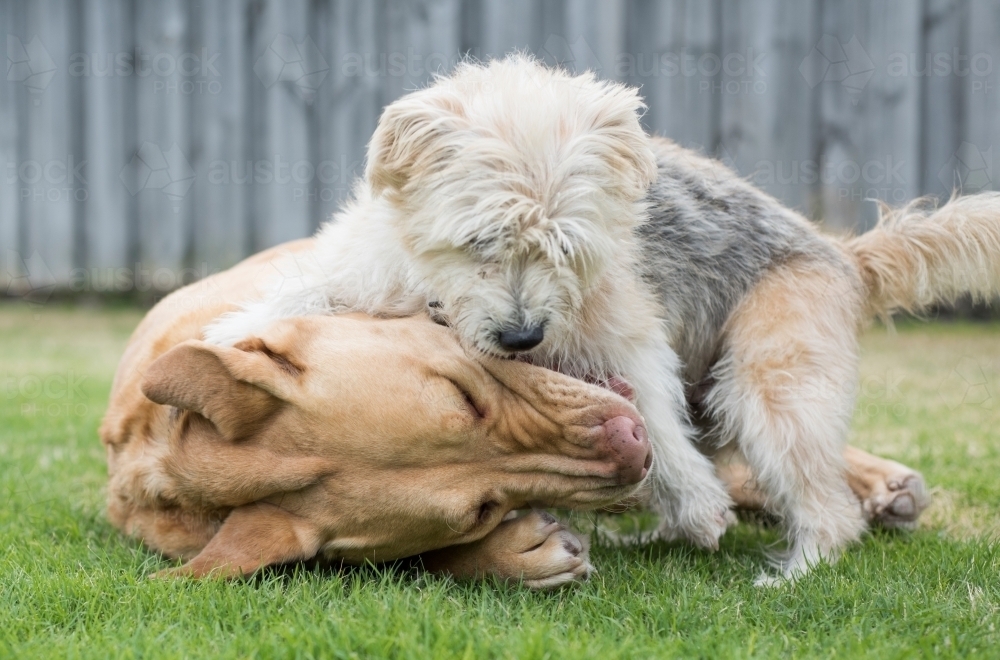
161, 165
945, 26
219, 151
107, 93
666, 40
888, 126
282, 93
10, 207
764, 133
350, 101
973, 166
48, 160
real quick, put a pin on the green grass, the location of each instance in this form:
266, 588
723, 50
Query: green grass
70, 585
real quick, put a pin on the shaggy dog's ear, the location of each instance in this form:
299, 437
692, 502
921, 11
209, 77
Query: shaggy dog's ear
412, 137
615, 110
237, 389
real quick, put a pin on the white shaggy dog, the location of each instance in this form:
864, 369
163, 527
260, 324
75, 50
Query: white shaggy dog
506, 197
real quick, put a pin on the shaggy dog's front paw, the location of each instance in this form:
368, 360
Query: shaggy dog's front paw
706, 532
702, 523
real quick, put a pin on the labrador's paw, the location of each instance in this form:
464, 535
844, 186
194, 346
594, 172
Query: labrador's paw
898, 500
544, 554
535, 549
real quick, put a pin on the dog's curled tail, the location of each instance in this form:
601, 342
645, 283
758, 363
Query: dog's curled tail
920, 254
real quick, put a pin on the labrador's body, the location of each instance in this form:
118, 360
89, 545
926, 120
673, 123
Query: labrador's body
356, 438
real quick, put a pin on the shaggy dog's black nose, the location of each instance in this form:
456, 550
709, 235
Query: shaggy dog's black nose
522, 339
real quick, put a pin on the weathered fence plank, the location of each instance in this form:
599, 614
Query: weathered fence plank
106, 90
350, 101
943, 96
10, 134
971, 168
159, 174
288, 69
888, 126
761, 91
842, 31
47, 159
220, 137
666, 41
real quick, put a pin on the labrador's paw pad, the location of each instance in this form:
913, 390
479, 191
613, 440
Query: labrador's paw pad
898, 501
546, 555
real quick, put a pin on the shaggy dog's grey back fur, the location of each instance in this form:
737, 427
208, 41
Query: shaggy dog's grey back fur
710, 237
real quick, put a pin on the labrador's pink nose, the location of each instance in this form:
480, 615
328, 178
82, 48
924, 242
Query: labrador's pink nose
630, 447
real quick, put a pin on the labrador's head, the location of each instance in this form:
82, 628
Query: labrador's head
377, 439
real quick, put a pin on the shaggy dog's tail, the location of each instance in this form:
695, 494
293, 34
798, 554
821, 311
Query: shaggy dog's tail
920, 255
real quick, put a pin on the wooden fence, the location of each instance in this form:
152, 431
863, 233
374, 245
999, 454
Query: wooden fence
146, 143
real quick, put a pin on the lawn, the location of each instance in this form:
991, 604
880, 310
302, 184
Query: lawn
71, 586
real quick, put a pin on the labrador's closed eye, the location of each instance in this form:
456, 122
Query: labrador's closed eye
477, 410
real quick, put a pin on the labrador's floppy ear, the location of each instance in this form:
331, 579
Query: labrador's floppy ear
237, 389
412, 137
252, 536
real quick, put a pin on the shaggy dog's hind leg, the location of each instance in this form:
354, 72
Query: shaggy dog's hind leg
785, 393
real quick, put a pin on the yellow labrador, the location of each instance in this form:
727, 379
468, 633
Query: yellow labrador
373, 439
355, 438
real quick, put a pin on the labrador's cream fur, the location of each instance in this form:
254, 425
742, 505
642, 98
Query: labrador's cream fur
352, 438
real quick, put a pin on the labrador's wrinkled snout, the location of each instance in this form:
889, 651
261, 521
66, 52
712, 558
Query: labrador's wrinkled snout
627, 444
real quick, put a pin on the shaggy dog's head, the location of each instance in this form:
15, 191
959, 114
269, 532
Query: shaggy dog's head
515, 186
